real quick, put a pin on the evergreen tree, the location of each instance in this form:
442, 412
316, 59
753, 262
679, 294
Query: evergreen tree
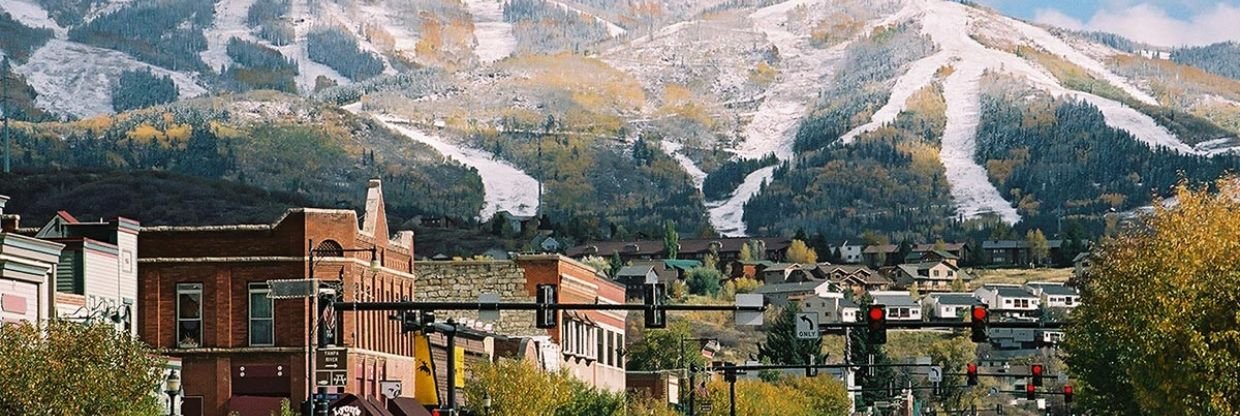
782, 345
614, 265
671, 240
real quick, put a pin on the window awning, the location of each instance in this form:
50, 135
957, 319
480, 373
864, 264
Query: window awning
254, 405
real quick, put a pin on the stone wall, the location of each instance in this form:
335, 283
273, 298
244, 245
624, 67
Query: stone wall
466, 280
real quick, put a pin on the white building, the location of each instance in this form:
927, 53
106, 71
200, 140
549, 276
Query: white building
831, 307
953, 306
851, 252
27, 273
900, 305
97, 274
1008, 300
1055, 295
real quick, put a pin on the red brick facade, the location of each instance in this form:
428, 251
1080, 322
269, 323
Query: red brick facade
224, 370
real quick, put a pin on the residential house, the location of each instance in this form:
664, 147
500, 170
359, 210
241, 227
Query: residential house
1055, 295
27, 273
900, 305
830, 306
960, 250
728, 249
1081, 264
1015, 252
1010, 301
635, 278
879, 255
204, 297
858, 279
850, 253
750, 269
950, 306
781, 294
787, 272
679, 267
662, 386
927, 277
932, 256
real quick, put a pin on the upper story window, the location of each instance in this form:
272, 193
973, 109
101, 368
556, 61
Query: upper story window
189, 315
329, 248
262, 316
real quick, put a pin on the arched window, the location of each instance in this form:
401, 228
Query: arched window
329, 248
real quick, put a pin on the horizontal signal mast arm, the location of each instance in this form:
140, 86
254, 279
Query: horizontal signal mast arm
530, 306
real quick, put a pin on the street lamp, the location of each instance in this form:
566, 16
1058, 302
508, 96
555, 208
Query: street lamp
692, 368
315, 255
172, 386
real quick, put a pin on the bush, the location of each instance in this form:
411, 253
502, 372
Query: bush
703, 281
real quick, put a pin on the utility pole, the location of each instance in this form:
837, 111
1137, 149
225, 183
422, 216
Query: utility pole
4, 107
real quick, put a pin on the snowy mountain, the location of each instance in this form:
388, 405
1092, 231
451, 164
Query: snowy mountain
928, 117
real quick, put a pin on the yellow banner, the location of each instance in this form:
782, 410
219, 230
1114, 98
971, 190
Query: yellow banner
460, 366
424, 386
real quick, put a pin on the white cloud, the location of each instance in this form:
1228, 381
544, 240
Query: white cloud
1151, 24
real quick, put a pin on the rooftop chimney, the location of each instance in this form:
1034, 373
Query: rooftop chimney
9, 223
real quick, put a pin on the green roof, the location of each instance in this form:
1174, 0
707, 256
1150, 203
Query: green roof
681, 264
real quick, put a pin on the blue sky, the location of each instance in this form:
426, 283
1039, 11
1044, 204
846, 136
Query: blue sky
1158, 22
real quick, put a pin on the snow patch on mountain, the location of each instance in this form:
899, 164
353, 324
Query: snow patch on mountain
506, 187
674, 149
230, 22
29, 13
613, 29
308, 71
76, 79
494, 36
970, 186
727, 216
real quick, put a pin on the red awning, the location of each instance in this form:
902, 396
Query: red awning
368, 407
254, 405
407, 406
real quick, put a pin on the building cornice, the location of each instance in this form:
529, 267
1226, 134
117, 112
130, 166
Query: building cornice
272, 259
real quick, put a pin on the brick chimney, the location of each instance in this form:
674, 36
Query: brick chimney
8, 223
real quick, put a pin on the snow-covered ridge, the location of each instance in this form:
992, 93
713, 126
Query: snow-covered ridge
506, 187
76, 79
30, 14
613, 29
493, 35
230, 16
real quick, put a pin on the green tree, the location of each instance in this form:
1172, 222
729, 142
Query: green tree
67, 369
1157, 331
745, 254
782, 345
614, 265
671, 240
588, 400
1039, 248
662, 349
517, 387
703, 281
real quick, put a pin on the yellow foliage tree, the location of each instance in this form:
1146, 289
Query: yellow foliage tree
798, 252
1158, 332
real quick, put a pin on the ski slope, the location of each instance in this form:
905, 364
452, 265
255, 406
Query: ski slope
949, 24
695, 173
505, 187
76, 79
493, 36
613, 29
308, 70
229, 22
727, 216
30, 14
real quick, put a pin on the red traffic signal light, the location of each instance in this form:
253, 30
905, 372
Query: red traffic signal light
980, 317
1035, 372
1030, 392
971, 372
1067, 394
876, 322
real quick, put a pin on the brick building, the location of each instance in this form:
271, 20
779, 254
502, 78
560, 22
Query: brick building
590, 342
203, 298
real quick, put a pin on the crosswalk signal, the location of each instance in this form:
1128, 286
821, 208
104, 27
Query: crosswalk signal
971, 373
876, 321
1035, 373
1030, 392
979, 316
1067, 393
546, 295
655, 316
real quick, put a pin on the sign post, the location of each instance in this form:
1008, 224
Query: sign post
807, 325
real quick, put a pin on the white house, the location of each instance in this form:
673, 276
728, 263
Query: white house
1008, 300
97, 276
780, 294
850, 252
952, 306
936, 276
27, 273
900, 305
1055, 295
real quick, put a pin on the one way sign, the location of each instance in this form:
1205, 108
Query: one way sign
807, 325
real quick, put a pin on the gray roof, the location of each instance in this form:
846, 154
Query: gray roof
845, 303
634, 270
1056, 290
789, 287
955, 299
1008, 244
1011, 291
895, 300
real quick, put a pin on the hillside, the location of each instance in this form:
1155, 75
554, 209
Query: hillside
907, 118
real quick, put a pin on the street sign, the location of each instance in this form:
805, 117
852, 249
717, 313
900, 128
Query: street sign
807, 325
390, 388
331, 359
291, 288
749, 318
935, 375
488, 315
331, 378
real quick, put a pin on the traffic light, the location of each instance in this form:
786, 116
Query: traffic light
971, 373
655, 316
876, 321
545, 314
810, 371
1030, 392
427, 322
409, 322
1067, 393
980, 316
1035, 373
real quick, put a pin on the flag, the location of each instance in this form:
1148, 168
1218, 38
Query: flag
425, 390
